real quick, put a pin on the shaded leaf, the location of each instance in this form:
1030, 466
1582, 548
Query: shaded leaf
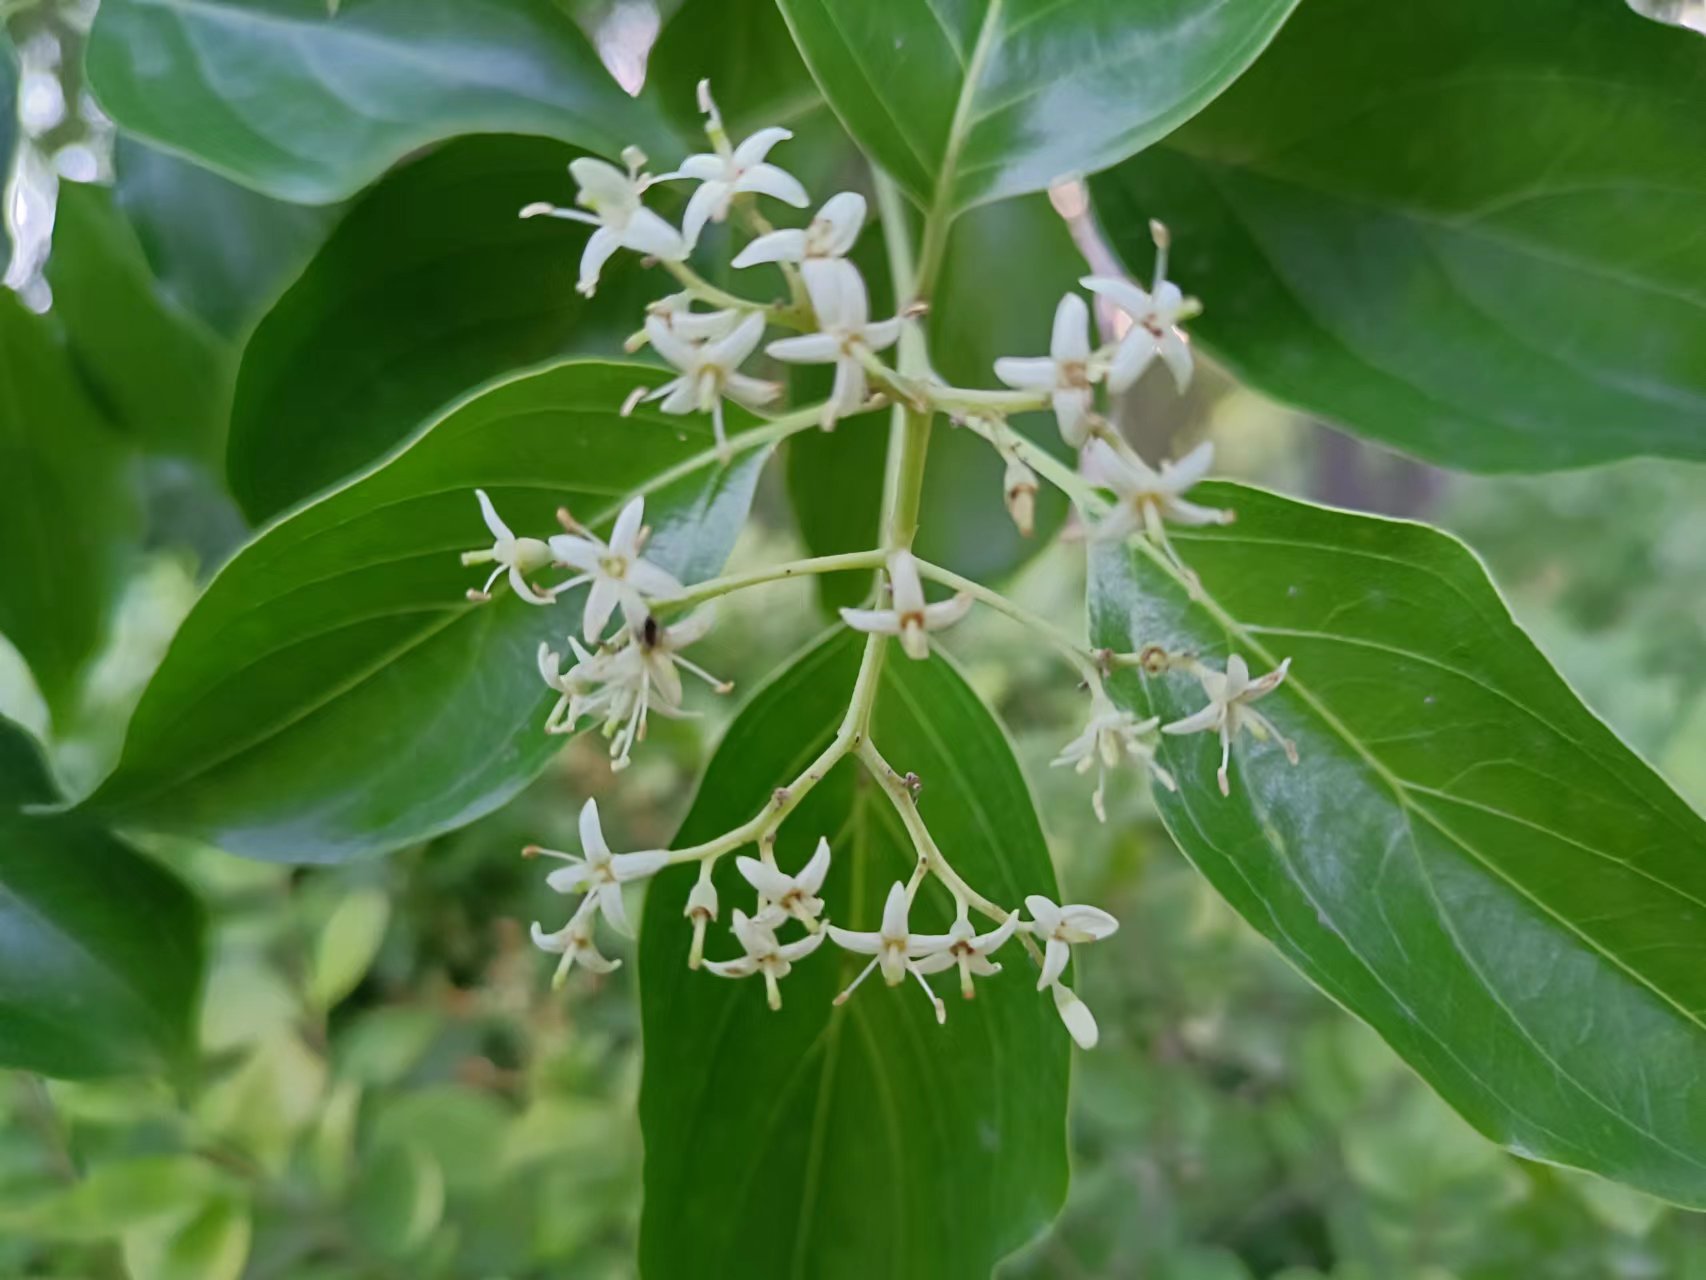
1466, 857
1467, 230
864, 1139
212, 1245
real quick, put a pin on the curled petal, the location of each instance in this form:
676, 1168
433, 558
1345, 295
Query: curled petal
653, 581
1055, 956
768, 180
599, 246
489, 514
881, 622
883, 334
842, 217
1080, 1022
788, 245
614, 909
768, 880
757, 146
944, 613
637, 866
1089, 920
1043, 912
1175, 351
569, 879
625, 537
709, 203
809, 348
812, 875
739, 967
1131, 358
1027, 373
592, 832
1128, 297
865, 944
600, 604
1208, 718
1071, 338
800, 948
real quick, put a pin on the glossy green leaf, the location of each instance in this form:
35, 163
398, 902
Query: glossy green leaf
68, 512
1466, 857
430, 286
163, 376
311, 102
1465, 229
968, 102
860, 1140
333, 693
219, 250
101, 952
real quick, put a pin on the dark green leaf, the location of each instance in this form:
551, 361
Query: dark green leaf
162, 375
308, 104
332, 693
24, 775
975, 101
1466, 229
100, 952
1466, 857
429, 287
220, 250
68, 513
863, 1140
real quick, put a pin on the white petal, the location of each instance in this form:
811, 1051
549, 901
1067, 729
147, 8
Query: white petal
554, 942
1103, 466
1184, 473
1055, 956
1071, 339
489, 514
653, 582
1027, 373
610, 902
738, 345
895, 909
934, 962
811, 877
625, 537
838, 294
809, 348
1125, 295
1080, 1022
670, 343
880, 622
637, 866
1091, 920
1237, 676
603, 184
600, 604
1208, 718
1176, 352
865, 944
1072, 414
880, 335
848, 392
768, 180
994, 939
788, 245
768, 880
739, 967
756, 147
599, 246
905, 585
550, 664
648, 233
703, 167
750, 391
944, 613
800, 947
592, 834
708, 203
568, 879
843, 216
1043, 912
576, 553
1131, 358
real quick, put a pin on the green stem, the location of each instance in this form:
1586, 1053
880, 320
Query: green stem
714, 587
1081, 658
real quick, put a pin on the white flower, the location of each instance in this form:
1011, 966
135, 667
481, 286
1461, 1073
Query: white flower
518, 556
622, 221
598, 872
1230, 694
701, 910
1156, 315
1111, 735
574, 942
764, 954
1067, 372
1019, 488
794, 895
1148, 497
660, 648
1060, 927
676, 311
617, 573
908, 617
962, 945
893, 949
1080, 1022
846, 336
708, 368
727, 172
832, 234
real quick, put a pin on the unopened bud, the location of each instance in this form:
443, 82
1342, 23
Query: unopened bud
1020, 484
702, 902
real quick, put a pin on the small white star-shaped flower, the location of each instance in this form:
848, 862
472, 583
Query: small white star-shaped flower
1111, 735
622, 221
1230, 694
764, 954
845, 338
831, 234
516, 556
964, 946
709, 369
909, 617
794, 895
1060, 928
728, 172
1156, 314
893, 949
598, 872
617, 573
575, 943
1067, 372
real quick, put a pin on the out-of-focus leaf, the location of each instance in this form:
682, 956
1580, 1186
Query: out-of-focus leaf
101, 952
68, 511
398, 1201
219, 250
212, 1245
24, 776
116, 1196
462, 1129
1466, 230
1466, 857
163, 376
383, 1045
310, 105
863, 1139
346, 946
334, 693
265, 1104
429, 286
246, 1001
975, 101
332, 1148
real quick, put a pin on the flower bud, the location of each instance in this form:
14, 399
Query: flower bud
1020, 486
701, 909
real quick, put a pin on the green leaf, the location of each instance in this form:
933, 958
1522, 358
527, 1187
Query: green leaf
101, 952
347, 944
398, 1201
430, 286
1467, 230
24, 775
212, 1245
333, 693
162, 375
974, 101
68, 512
310, 105
219, 250
116, 1196
1466, 857
859, 1140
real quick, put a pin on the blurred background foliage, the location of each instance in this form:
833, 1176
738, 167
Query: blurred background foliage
388, 1088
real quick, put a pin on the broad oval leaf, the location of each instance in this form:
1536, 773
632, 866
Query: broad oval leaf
1467, 230
333, 693
968, 102
1465, 857
309, 102
429, 286
864, 1139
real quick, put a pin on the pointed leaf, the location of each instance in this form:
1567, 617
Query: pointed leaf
1467, 230
862, 1139
333, 693
1466, 857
